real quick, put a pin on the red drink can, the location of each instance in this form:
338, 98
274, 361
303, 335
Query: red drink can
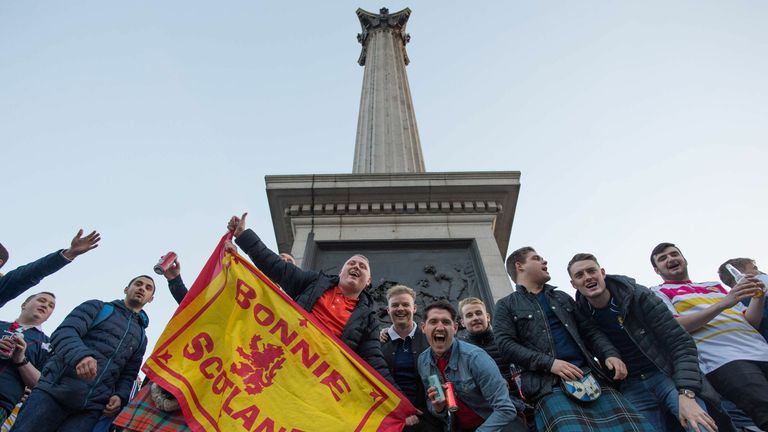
165, 262
450, 397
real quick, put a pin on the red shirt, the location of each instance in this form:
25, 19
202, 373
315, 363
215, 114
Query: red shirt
333, 309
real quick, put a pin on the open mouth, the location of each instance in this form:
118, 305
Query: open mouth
591, 285
673, 265
354, 273
439, 337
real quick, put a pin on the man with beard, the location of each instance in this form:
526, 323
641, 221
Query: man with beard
28, 353
339, 302
404, 342
538, 328
661, 358
98, 350
482, 396
732, 353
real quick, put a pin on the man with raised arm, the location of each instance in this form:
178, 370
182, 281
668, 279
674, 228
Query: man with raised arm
339, 302
539, 329
15, 282
98, 350
732, 353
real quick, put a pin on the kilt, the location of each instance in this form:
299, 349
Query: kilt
609, 413
142, 415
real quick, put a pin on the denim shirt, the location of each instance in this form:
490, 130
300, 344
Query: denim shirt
476, 381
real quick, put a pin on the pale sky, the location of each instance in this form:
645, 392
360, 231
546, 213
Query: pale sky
632, 123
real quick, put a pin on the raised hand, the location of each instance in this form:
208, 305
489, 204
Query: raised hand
237, 224
174, 270
81, 245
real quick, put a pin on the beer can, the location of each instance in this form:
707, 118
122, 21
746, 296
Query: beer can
450, 397
165, 262
434, 381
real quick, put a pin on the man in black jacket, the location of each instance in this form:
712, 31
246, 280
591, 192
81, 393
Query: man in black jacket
98, 350
661, 357
338, 301
477, 322
404, 342
539, 329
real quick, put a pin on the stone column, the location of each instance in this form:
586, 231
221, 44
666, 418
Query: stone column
387, 137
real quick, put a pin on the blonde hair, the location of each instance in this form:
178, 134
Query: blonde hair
400, 289
469, 301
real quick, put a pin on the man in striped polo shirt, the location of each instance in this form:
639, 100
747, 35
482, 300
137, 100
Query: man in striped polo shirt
732, 353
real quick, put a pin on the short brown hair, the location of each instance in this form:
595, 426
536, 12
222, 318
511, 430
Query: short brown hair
581, 257
441, 304
515, 257
400, 289
35, 295
725, 276
659, 249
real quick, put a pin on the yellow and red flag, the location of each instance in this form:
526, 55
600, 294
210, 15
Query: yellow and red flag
240, 355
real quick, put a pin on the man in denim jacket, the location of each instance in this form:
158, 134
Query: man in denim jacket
481, 393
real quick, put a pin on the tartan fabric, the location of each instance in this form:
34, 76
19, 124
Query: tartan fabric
610, 413
141, 415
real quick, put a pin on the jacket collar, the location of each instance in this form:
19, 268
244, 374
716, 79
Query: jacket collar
620, 287
522, 290
141, 316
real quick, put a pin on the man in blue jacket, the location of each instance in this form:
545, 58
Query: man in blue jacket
481, 393
21, 279
98, 350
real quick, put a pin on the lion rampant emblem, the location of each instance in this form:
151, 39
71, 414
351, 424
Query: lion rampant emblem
260, 366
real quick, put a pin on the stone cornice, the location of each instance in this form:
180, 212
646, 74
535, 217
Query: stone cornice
411, 194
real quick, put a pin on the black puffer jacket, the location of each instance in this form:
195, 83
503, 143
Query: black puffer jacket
650, 324
361, 334
117, 343
524, 338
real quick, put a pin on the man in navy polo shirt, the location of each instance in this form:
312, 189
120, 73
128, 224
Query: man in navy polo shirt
27, 354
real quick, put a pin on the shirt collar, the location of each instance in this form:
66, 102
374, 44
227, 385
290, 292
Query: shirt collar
394, 336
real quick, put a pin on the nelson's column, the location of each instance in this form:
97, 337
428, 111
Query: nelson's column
443, 234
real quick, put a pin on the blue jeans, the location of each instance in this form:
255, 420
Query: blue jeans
42, 413
654, 394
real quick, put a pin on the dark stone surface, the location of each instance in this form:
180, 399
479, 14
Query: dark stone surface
437, 270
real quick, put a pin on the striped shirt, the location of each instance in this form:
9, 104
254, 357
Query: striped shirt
727, 337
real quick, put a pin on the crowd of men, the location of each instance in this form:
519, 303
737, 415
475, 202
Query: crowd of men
682, 355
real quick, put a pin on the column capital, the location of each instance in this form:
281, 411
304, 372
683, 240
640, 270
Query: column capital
383, 20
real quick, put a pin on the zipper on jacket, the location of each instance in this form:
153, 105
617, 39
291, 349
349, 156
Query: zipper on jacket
546, 327
109, 360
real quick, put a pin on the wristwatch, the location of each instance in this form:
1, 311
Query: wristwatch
22, 363
687, 393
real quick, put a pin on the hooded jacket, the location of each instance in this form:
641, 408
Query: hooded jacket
117, 343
